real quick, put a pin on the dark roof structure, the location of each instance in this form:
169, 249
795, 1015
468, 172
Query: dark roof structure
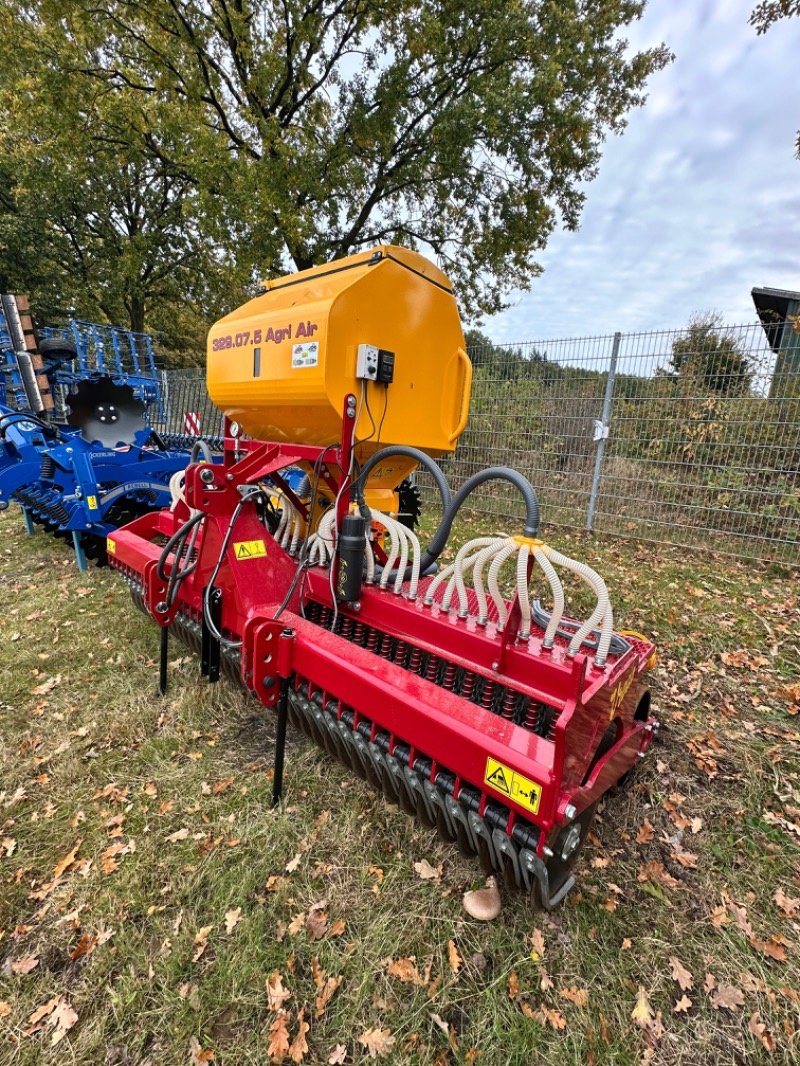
773, 306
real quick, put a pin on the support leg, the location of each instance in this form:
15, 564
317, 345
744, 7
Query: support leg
29, 526
280, 741
80, 555
162, 663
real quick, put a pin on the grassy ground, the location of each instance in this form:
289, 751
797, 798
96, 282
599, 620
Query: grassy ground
155, 910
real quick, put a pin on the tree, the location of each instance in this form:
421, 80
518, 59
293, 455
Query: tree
766, 14
709, 358
307, 129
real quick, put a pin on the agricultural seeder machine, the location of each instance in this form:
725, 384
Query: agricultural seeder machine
77, 452
436, 674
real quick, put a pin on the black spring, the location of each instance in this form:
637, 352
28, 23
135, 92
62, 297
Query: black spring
400, 652
386, 646
432, 667
358, 633
487, 696
48, 467
347, 628
415, 660
372, 639
448, 680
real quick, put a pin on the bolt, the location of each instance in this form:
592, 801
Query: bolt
495, 667
268, 682
547, 852
229, 477
161, 607
206, 475
570, 811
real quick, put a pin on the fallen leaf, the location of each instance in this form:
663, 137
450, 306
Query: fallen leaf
325, 994
276, 993
24, 965
197, 1056
547, 1016
378, 1042
405, 970
787, 905
63, 864
646, 833
729, 997
537, 943
427, 873
201, 939
316, 923
41, 1012
578, 996
453, 957
760, 1031
772, 947
46, 686
179, 834
85, 946
62, 1019
299, 1046
278, 1043
292, 864
681, 974
642, 1013
513, 985
337, 928
337, 1056
232, 919
5, 1010
683, 1004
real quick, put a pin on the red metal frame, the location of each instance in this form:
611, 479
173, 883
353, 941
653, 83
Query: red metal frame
448, 729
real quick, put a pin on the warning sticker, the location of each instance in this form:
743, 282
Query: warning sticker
92, 502
508, 782
249, 549
111, 546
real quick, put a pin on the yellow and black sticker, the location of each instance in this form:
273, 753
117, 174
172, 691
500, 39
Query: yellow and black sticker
517, 787
92, 502
249, 549
111, 546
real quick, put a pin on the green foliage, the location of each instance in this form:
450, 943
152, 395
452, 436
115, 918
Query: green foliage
166, 154
766, 13
708, 359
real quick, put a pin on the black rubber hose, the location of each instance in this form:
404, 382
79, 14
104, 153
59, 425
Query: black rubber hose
175, 539
19, 416
412, 453
493, 473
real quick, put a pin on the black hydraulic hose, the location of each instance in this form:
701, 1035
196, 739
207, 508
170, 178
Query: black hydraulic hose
19, 416
412, 453
493, 473
175, 539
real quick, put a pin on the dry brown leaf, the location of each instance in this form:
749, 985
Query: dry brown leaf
513, 985
5, 1010
683, 1004
62, 1019
232, 919
427, 873
299, 1046
578, 996
728, 996
681, 974
85, 946
378, 1042
337, 1055
405, 970
325, 994
453, 957
297, 923
292, 864
773, 947
278, 1043
554, 1018
179, 834
46, 686
150, 789
201, 939
24, 965
537, 943
646, 833
316, 923
276, 993
760, 1031
63, 864
545, 980
337, 928
198, 1055
787, 905
642, 1013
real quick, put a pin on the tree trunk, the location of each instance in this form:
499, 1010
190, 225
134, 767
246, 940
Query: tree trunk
136, 313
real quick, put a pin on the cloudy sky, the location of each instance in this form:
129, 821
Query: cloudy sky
697, 201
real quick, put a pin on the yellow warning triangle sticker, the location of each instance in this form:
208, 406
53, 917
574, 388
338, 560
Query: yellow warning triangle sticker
242, 551
496, 777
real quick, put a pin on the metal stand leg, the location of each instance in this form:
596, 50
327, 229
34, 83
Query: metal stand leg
29, 526
80, 556
280, 741
162, 664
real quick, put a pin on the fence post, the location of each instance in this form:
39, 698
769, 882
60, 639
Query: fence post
601, 432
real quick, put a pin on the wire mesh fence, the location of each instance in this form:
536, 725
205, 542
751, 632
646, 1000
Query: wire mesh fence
687, 437
682, 437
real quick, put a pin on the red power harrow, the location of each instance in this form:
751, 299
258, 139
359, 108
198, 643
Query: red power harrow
485, 717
